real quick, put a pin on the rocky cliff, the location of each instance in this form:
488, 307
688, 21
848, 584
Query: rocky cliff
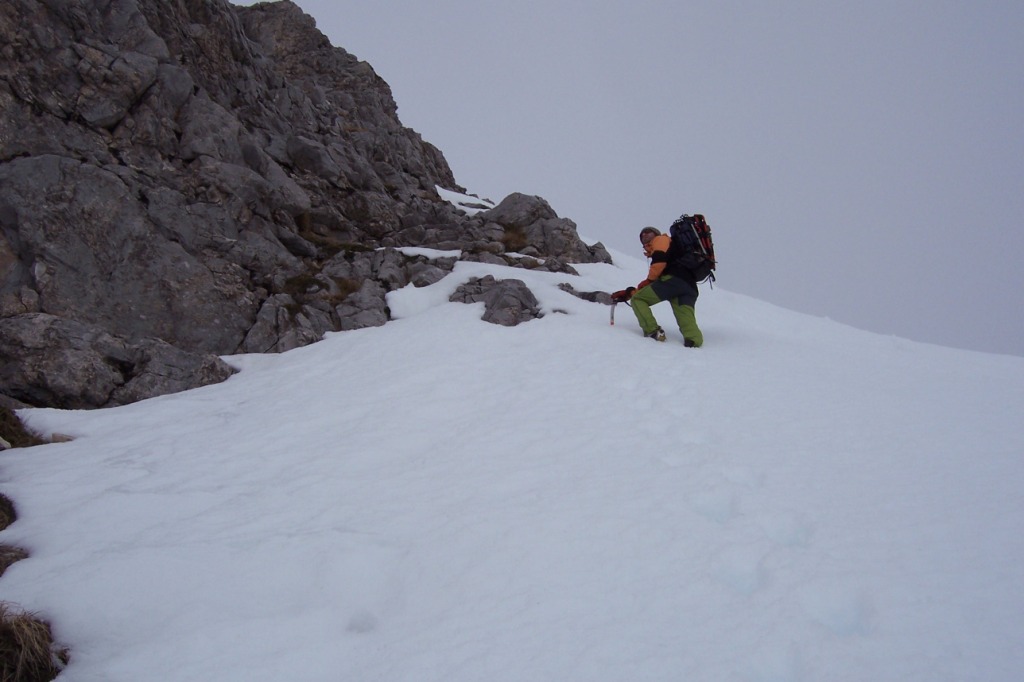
184, 179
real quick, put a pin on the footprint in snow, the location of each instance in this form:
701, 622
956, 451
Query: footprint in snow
362, 622
742, 569
743, 476
842, 609
672, 459
787, 529
775, 664
716, 504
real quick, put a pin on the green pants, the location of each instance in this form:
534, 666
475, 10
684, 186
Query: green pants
685, 315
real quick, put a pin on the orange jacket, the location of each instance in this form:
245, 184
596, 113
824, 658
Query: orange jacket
657, 251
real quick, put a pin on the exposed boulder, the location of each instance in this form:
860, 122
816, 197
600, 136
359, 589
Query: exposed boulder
88, 250
602, 297
531, 227
506, 302
48, 360
367, 307
283, 324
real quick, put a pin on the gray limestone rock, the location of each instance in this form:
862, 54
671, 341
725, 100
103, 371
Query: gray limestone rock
48, 360
182, 172
506, 302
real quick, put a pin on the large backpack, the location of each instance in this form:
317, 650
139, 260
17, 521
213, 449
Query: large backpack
692, 249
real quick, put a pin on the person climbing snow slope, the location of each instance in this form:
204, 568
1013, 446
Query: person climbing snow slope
665, 281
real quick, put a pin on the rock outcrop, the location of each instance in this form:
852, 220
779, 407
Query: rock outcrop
184, 179
506, 302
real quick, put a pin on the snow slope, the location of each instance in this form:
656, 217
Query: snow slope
445, 500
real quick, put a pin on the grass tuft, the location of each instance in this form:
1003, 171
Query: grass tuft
514, 239
27, 650
9, 554
346, 287
14, 432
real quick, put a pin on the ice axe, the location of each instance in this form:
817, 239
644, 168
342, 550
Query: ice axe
620, 297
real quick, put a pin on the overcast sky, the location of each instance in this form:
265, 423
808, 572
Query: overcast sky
859, 161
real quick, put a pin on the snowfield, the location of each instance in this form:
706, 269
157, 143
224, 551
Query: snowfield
445, 500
